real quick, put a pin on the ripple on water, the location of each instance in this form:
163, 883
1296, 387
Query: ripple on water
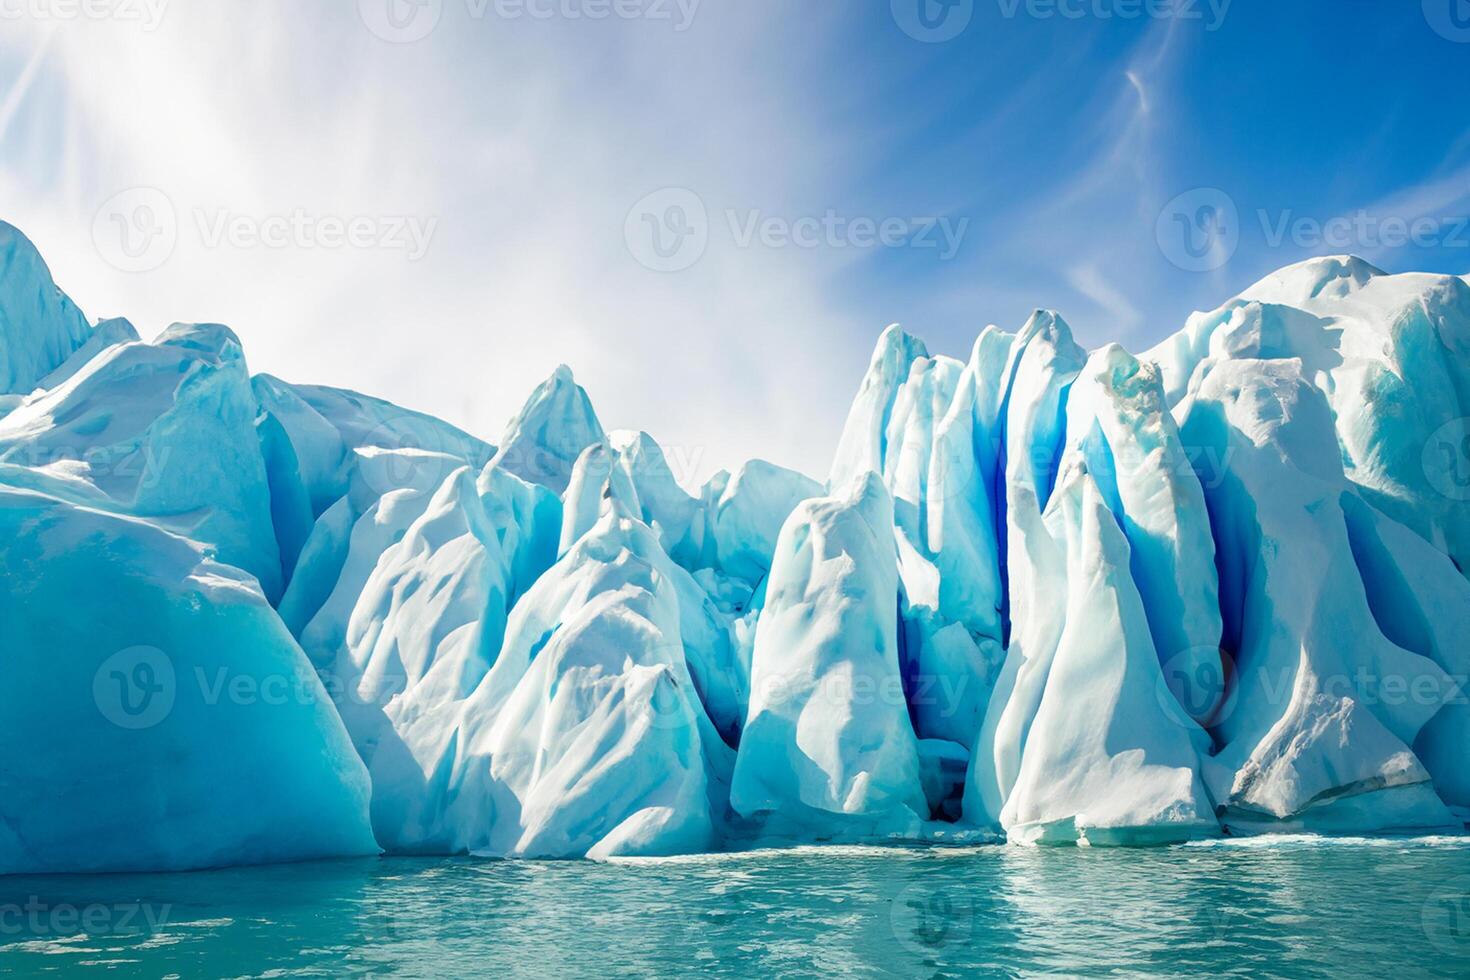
1292, 907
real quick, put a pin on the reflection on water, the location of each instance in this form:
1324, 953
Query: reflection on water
1291, 908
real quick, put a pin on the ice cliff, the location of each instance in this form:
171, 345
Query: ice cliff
1045, 595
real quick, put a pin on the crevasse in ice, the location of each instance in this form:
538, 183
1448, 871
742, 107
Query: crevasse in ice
1045, 595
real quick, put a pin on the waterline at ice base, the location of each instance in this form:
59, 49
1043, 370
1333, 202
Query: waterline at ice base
1044, 596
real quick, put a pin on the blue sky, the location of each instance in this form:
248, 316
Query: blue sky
814, 172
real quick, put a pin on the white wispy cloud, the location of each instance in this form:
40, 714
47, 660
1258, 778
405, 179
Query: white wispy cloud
1090, 281
524, 142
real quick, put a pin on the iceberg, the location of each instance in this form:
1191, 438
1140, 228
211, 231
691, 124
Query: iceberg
828, 733
1044, 595
40, 325
586, 736
183, 726
951, 633
752, 507
543, 442
164, 431
1109, 755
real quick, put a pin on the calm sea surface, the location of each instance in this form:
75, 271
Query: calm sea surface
1285, 907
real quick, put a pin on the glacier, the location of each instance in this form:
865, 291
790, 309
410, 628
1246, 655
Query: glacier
1043, 595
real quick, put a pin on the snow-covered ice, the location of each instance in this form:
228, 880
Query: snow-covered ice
1045, 594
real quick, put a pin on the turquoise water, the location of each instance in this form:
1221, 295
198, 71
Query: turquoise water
1290, 908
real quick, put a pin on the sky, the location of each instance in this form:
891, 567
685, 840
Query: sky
709, 209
